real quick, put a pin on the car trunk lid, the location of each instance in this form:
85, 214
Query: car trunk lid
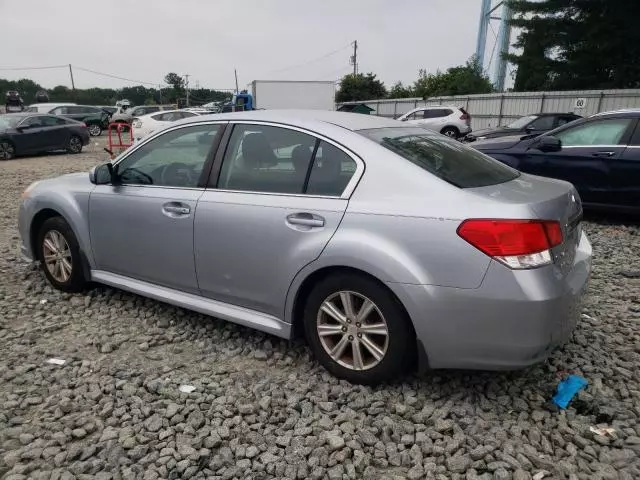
547, 199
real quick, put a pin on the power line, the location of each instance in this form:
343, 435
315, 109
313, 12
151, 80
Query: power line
312, 60
155, 84
6, 69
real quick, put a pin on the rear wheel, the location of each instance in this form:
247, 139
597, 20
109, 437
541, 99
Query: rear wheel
357, 330
452, 132
59, 253
75, 144
95, 130
7, 150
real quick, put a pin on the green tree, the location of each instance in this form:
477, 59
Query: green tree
138, 94
360, 87
577, 44
461, 80
176, 81
400, 91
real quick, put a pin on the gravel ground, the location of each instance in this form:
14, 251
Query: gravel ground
264, 409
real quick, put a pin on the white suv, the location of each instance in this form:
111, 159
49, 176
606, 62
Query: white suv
450, 121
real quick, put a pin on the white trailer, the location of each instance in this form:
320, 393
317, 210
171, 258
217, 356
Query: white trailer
308, 95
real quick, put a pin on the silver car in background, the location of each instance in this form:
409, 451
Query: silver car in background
383, 244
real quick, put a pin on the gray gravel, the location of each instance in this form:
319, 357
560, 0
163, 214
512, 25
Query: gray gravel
264, 409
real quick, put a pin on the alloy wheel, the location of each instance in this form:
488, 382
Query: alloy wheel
57, 256
352, 330
7, 151
75, 145
94, 130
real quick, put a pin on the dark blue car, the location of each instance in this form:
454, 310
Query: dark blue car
600, 155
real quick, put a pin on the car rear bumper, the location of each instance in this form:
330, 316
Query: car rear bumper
513, 320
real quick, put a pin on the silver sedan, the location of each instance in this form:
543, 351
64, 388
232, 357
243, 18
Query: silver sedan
386, 246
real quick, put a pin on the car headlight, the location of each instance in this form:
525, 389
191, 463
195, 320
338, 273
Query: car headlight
28, 190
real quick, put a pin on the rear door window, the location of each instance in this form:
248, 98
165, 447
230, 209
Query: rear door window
606, 131
263, 158
445, 158
542, 123
331, 171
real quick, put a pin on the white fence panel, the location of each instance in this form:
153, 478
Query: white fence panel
490, 110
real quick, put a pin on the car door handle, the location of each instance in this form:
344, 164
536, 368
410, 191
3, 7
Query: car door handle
305, 220
176, 209
603, 154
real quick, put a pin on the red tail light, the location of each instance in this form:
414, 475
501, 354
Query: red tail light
84, 125
465, 116
516, 243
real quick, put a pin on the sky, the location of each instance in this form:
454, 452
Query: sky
263, 39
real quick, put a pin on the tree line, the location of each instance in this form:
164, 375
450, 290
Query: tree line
138, 95
576, 44
461, 80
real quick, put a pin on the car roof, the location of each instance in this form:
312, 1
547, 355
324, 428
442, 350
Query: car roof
626, 112
158, 112
50, 104
546, 114
25, 114
349, 121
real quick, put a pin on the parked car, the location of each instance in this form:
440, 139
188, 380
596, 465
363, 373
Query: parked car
96, 118
450, 121
45, 107
528, 125
110, 110
28, 133
147, 124
600, 155
13, 102
382, 243
127, 114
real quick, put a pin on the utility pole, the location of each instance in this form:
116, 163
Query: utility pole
186, 86
236, 74
73, 85
354, 58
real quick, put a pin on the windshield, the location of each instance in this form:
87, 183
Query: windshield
445, 158
7, 121
522, 122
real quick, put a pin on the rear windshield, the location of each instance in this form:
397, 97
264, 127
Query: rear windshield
445, 158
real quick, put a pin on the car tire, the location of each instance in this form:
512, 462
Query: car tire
95, 130
7, 150
75, 144
367, 357
451, 132
59, 254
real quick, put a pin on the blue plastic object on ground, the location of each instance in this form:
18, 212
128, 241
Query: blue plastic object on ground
567, 390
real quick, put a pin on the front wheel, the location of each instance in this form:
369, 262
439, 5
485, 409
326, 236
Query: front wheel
75, 144
357, 329
7, 150
59, 253
451, 132
95, 130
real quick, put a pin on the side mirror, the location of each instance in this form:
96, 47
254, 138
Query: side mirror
102, 174
529, 129
548, 143
22, 128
